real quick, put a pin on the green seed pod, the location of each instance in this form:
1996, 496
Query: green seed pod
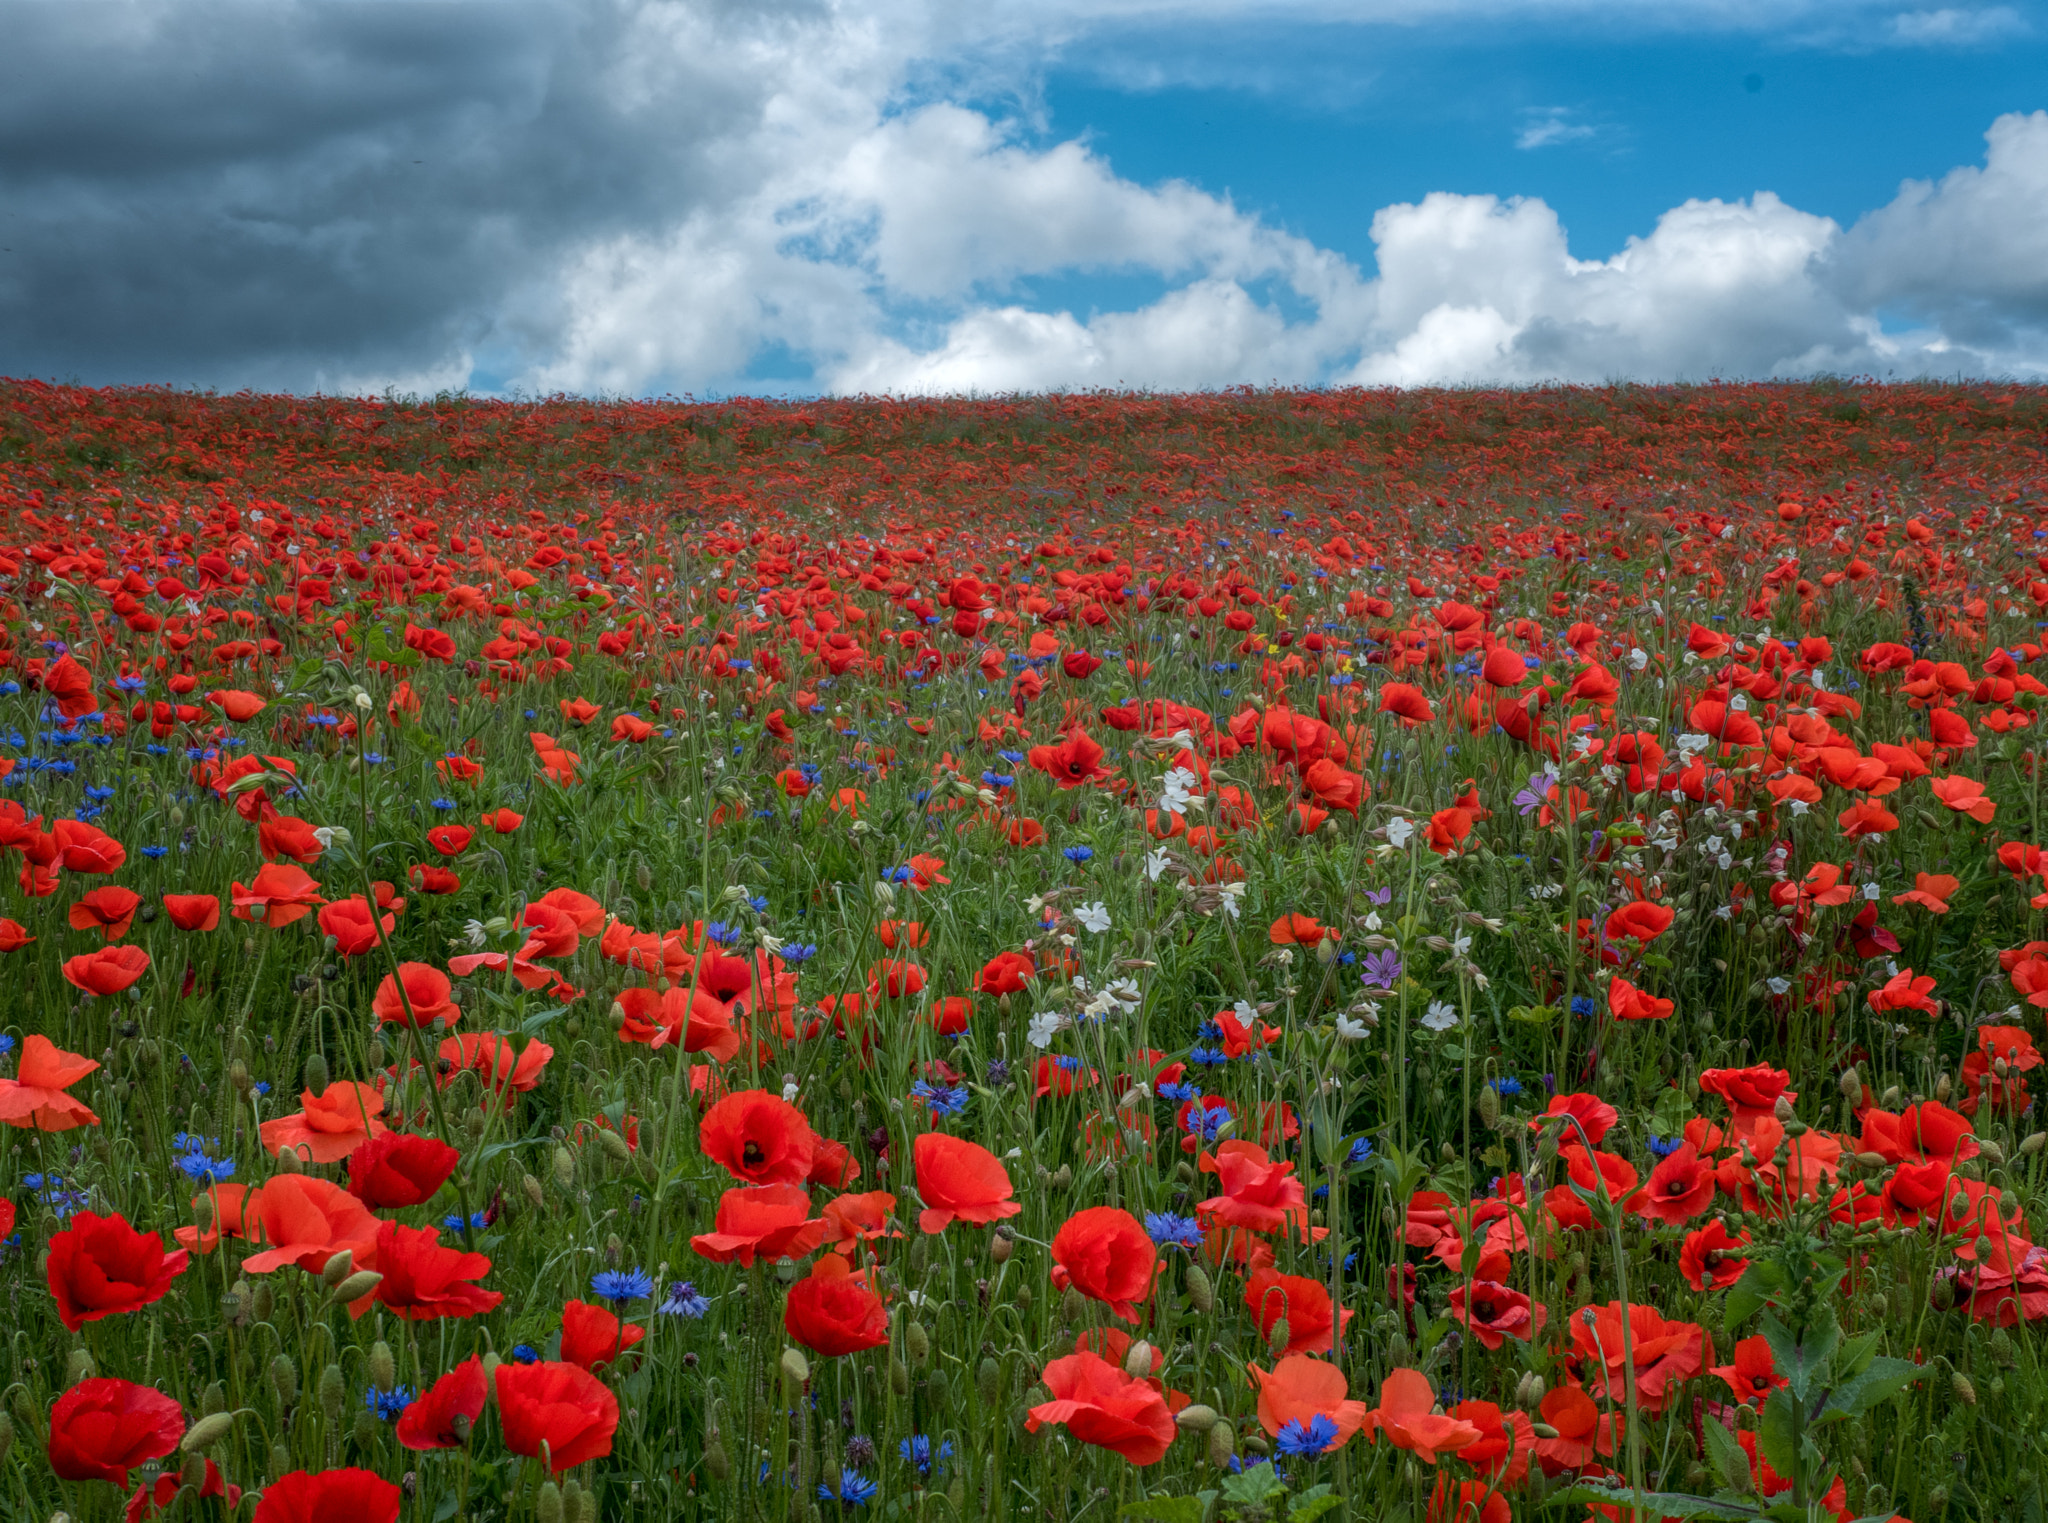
918, 1344
317, 1077
899, 1377
937, 1385
333, 1392
1965, 1392
1276, 1345
1196, 1419
78, 1367
1222, 1446
1489, 1107
796, 1371
288, 1162
547, 1506
988, 1381
207, 1432
214, 1400
365, 1428
262, 1301
383, 1367
280, 1458
534, 1190
1073, 1305
565, 1168
1201, 1291
284, 1379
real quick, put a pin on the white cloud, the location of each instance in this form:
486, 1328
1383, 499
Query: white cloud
1544, 126
1951, 27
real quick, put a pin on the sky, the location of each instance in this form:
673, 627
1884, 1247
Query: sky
796, 197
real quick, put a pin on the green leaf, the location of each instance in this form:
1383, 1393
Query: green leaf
1774, 1433
447, 1506
1163, 1510
540, 1020
1671, 1114
1312, 1504
1672, 1504
1726, 1455
1855, 1355
1803, 1360
1881, 1380
1753, 1290
1253, 1487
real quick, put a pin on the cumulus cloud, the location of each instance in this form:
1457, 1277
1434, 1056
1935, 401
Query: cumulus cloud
635, 196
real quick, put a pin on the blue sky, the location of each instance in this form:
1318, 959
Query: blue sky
695, 196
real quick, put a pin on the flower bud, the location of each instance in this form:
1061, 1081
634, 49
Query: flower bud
317, 1077
1222, 1446
1196, 1419
78, 1367
918, 1344
1282, 1335
1000, 1247
1138, 1360
333, 1392
337, 1268
383, 1367
284, 1379
207, 1432
1965, 1392
796, 1370
535, 1191
356, 1286
1852, 1085
1201, 1292
288, 1162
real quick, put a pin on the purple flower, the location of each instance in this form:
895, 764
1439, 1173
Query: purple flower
1532, 798
1382, 968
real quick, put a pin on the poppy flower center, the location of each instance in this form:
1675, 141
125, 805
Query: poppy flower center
1675, 1187
751, 1155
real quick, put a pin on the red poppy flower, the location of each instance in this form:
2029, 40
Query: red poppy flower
433, 880
429, 1421
1707, 1258
854, 1219
36, 1098
193, 912
758, 1137
771, 1221
426, 994
1006, 973
1625, 1002
100, 1429
592, 1337
355, 927
1666, 1354
13, 936
290, 838
1073, 763
1302, 1303
332, 1124
693, 1019
278, 895
399, 1169
107, 971
1680, 1187
1099, 1404
155, 1497
1299, 1389
1406, 703
83, 848
1258, 1192
1753, 1373
450, 840
556, 1404
1493, 1312
490, 1057
110, 910
329, 1496
100, 1266
834, 1311
1106, 1254
305, 1221
424, 1281
503, 821
960, 1181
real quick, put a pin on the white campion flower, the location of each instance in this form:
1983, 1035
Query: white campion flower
1778, 985
1176, 788
1691, 742
1046, 1025
1638, 658
1399, 832
1232, 897
1352, 1031
1094, 917
1156, 863
474, 933
1126, 993
1439, 1016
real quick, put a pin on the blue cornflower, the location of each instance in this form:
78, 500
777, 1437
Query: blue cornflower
1078, 854
1361, 1149
621, 1285
758, 904
388, 1405
1505, 1086
683, 1301
6, 1044
725, 935
197, 1167
376, 758
796, 953
1208, 1057
1206, 1121
1179, 1094
1208, 1031
98, 795
1308, 1440
525, 1353
154, 852
130, 684
1664, 1147
855, 1489
1582, 1005
999, 779
917, 1450
942, 1100
1170, 1231
453, 1221
442, 803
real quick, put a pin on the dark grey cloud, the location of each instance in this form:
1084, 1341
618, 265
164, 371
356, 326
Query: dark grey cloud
281, 193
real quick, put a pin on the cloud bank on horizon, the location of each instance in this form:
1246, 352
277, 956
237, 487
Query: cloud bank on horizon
648, 196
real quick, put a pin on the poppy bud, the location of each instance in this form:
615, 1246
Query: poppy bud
1942, 1089
1073, 1305
356, 1286
1529, 1391
1891, 1098
988, 1381
1965, 1392
6, 1436
716, 1462
1990, 1150
1543, 1430
1943, 1295
999, 1248
26, 1416
207, 1432
565, 1168
2033, 1144
365, 1428
333, 1392
1138, 1362
383, 1368
936, 1386
337, 1268
316, 1073
1196, 1419
917, 1343
78, 1367
1852, 1084
263, 1302
614, 1145
1222, 1446
284, 1379
1201, 1293
1276, 1345
796, 1370
1782, 1110
899, 1377
535, 1192
1489, 1107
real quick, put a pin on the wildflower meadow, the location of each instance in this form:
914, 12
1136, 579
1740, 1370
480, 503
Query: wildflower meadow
1439, 956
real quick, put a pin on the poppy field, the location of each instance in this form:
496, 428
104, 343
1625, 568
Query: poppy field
1442, 956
